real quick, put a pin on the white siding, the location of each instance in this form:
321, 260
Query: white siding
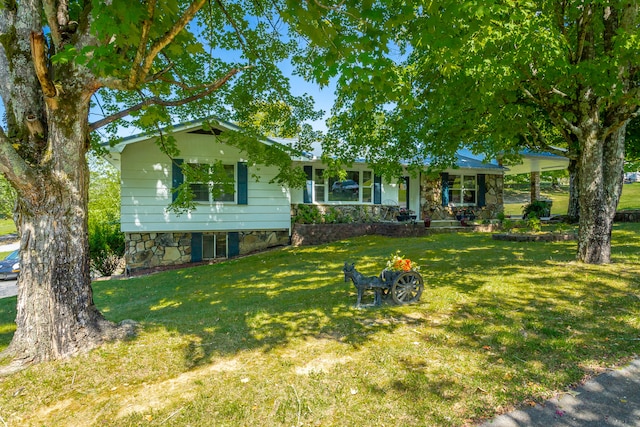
146, 191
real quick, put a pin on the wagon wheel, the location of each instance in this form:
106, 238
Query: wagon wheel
407, 288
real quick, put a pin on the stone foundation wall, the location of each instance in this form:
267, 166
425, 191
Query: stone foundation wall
149, 250
627, 216
316, 234
252, 241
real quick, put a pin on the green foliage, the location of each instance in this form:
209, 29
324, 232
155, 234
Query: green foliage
534, 224
537, 209
332, 216
106, 246
106, 241
7, 198
307, 214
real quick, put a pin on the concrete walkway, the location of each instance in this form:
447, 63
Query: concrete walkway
611, 399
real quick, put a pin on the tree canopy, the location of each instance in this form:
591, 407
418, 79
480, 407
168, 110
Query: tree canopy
419, 80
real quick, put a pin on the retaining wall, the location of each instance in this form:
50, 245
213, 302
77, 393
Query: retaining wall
627, 216
316, 234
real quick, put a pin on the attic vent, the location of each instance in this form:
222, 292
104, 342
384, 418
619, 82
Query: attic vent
214, 131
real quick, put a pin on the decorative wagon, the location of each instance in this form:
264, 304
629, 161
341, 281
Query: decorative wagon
404, 287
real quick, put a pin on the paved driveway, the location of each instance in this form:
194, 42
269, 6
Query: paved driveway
8, 288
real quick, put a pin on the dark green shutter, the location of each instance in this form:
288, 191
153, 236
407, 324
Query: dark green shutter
233, 244
177, 178
482, 189
445, 188
308, 189
377, 189
196, 247
243, 184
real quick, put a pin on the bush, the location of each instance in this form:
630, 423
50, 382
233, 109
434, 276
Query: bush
308, 214
537, 208
106, 246
534, 224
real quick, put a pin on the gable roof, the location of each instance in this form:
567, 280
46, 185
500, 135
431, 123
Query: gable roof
184, 127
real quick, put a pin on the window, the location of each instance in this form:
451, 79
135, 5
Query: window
462, 190
356, 187
367, 187
215, 190
346, 190
319, 185
214, 246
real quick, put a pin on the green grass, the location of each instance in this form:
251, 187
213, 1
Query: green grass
630, 198
7, 226
274, 340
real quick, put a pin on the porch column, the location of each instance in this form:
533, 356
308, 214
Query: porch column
535, 186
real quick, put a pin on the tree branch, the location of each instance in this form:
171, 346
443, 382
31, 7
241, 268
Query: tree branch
207, 90
168, 37
541, 142
52, 19
13, 166
40, 63
233, 24
134, 75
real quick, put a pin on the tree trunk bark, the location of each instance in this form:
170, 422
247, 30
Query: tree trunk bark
56, 315
600, 176
573, 210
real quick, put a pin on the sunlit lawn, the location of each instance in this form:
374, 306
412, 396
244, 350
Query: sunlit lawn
7, 226
274, 339
630, 199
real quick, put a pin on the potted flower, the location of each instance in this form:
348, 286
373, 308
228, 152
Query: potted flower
405, 215
398, 264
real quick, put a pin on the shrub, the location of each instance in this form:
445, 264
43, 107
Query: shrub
307, 214
507, 225
534, 224
106, 246
537, 208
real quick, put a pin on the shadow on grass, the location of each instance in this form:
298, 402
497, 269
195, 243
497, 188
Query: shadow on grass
517, 304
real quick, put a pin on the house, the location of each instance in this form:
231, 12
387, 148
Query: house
258, 214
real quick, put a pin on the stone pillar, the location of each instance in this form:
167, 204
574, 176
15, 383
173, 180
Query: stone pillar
535, 186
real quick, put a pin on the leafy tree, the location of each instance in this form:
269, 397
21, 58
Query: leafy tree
141, 64
7, 198
419, 79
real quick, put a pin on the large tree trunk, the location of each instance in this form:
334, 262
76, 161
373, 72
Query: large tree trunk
573, 209
56, 316
600, 177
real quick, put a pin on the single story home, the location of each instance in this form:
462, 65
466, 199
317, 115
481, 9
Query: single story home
258, 213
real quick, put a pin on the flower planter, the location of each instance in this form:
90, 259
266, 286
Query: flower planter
405, 217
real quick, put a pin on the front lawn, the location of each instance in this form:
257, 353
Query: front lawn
274, 340
629, 199
7, 226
